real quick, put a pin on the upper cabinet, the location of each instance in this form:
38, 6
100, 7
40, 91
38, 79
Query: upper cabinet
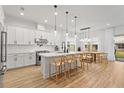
11, 35
1, 12
20, 36
31, 36
1, 15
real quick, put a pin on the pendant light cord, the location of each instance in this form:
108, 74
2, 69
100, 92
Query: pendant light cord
55, 6
75, 24
66, 21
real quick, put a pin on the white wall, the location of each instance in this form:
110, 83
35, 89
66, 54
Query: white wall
13, 21
119, 30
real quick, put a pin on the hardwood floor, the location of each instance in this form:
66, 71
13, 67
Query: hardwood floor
99, 75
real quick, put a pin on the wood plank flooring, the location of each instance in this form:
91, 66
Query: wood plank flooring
99, 75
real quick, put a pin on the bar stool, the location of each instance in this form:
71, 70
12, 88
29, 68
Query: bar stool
75, 58
104, 57
82, 59
89, 59
98, 57
65, 66
57, 63
69, 61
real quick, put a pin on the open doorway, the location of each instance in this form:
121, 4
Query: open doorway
119, 48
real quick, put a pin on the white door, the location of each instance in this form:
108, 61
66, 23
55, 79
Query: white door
19, 35
11, 35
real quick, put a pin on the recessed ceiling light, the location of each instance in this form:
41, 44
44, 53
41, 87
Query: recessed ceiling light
72, 21
108, 24
45, 21
22, 13
55, 13
61, 25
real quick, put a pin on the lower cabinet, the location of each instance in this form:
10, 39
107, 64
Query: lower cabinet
11, 61
20, 60
32, 58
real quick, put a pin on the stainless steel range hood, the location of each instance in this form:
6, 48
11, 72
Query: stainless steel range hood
40, 41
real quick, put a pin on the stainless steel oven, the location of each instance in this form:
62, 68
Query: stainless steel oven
38, 57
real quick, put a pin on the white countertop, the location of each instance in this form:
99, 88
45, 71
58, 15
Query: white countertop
54, 54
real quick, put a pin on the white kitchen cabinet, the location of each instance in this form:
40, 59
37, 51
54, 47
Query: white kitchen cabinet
19, 35
11, 35
31, 37
26, 59
32, 59
1, 12
19, 60
29, 59
11, 61
26, 37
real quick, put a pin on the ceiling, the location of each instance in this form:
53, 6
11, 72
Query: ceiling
94, 16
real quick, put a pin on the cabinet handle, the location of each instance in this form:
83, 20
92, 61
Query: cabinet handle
29, 42
30, 57
15, 42
15, 59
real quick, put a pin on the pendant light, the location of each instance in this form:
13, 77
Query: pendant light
66, 23
22, 11
55, 13
75, 26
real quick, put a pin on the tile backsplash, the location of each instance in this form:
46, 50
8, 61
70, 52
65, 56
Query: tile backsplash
27, 48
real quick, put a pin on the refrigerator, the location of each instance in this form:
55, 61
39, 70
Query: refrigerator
3, 53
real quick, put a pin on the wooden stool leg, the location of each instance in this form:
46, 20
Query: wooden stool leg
65, 70
76, 66
49, 70
87, 66
56, 74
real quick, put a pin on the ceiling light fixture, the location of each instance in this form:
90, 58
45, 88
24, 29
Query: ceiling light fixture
108, 24
72, 21
75, 26
66, 23
61, 25
56, 13
21, 11
45, 21
55, 6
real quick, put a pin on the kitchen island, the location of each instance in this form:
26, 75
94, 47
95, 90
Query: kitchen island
46, 58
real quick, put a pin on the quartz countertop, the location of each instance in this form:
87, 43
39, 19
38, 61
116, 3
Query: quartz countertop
55, 54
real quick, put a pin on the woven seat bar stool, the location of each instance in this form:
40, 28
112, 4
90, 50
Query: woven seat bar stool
58, 64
